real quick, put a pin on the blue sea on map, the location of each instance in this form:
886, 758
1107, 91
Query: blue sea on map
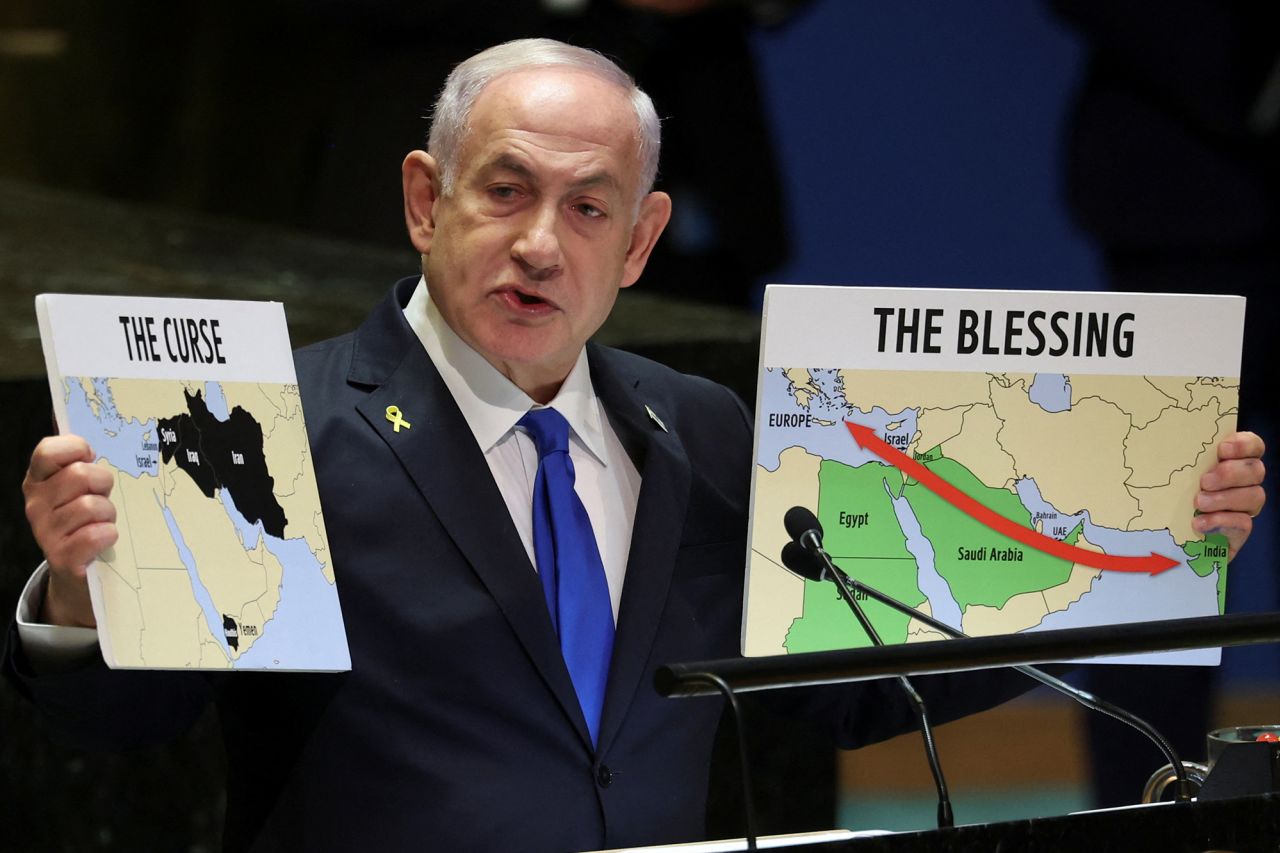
1051, 392
305, 594
942, 602
1115, 597
1118, 597
113, 438
293, 638
1029, 495
249, 533
212, 617
216, 401
829, 442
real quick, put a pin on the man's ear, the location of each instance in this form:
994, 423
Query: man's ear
655, 212
420, 177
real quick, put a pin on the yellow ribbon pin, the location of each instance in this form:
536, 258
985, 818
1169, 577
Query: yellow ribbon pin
393, 415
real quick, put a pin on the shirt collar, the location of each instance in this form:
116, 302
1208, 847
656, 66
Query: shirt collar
491, 403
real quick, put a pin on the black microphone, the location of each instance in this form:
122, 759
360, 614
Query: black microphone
803, 559
809, 560
803, 527
800, 562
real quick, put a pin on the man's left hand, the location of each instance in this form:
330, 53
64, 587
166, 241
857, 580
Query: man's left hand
1231, 492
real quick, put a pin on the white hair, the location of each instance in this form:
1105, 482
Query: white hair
452, 112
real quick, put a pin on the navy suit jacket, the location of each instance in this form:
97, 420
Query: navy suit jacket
458, 727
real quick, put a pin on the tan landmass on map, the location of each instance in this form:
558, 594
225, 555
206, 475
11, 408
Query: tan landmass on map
1142, 400
295, 486
1020, 612
1223, 395
803, 388
278, 410
1174, 386
145, 535
302, 508
1076, 456
894, 391
253, 616
233, 576
90, 393
919, 632
1015, 380
175, 629
934, 426
283, 432
1065, 594
264, 402
1175, 440
1173, 505
120, 555
146, 399
125, 608
795, 482
274, 407
212, 655
142, 572
978, 450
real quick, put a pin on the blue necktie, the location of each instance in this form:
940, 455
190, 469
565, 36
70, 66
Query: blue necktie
569, 565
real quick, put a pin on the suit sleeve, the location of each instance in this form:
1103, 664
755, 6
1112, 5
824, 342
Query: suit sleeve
98, 708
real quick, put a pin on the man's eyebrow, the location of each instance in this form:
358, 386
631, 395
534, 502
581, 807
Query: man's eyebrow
597, 179
506, 162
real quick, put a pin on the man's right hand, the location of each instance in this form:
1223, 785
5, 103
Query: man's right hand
72, 520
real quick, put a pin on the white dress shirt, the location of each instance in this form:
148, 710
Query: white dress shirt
606, 479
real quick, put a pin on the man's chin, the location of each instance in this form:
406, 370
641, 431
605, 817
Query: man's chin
530, 351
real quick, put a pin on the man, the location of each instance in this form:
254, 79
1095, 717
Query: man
470, 719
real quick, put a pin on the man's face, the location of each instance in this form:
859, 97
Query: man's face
525, 256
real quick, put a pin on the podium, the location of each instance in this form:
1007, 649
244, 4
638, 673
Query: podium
1245, 825
1242, 825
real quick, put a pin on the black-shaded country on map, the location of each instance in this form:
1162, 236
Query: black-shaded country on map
222, 559
224, 454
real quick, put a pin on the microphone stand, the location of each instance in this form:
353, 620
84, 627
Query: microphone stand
812, 545
946, 817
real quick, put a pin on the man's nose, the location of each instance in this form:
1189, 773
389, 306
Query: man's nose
537, 249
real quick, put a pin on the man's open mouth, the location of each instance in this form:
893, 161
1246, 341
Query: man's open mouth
518, 297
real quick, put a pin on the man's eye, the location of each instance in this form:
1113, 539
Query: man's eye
589, 210
503, 192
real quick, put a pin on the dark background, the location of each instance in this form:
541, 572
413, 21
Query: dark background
253, 149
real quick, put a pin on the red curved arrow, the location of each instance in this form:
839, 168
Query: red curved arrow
867, 439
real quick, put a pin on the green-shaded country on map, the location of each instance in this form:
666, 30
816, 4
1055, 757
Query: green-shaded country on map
980, 565
1209, 556
224, 455
863, 536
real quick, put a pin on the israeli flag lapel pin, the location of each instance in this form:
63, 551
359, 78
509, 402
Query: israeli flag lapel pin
653, 416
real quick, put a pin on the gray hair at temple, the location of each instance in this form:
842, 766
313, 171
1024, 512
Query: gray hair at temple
452, 112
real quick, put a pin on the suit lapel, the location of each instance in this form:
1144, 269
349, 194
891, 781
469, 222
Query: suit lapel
441, 456
655, 537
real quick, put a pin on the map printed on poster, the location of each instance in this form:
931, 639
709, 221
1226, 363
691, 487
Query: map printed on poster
222, 560
1004, 461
